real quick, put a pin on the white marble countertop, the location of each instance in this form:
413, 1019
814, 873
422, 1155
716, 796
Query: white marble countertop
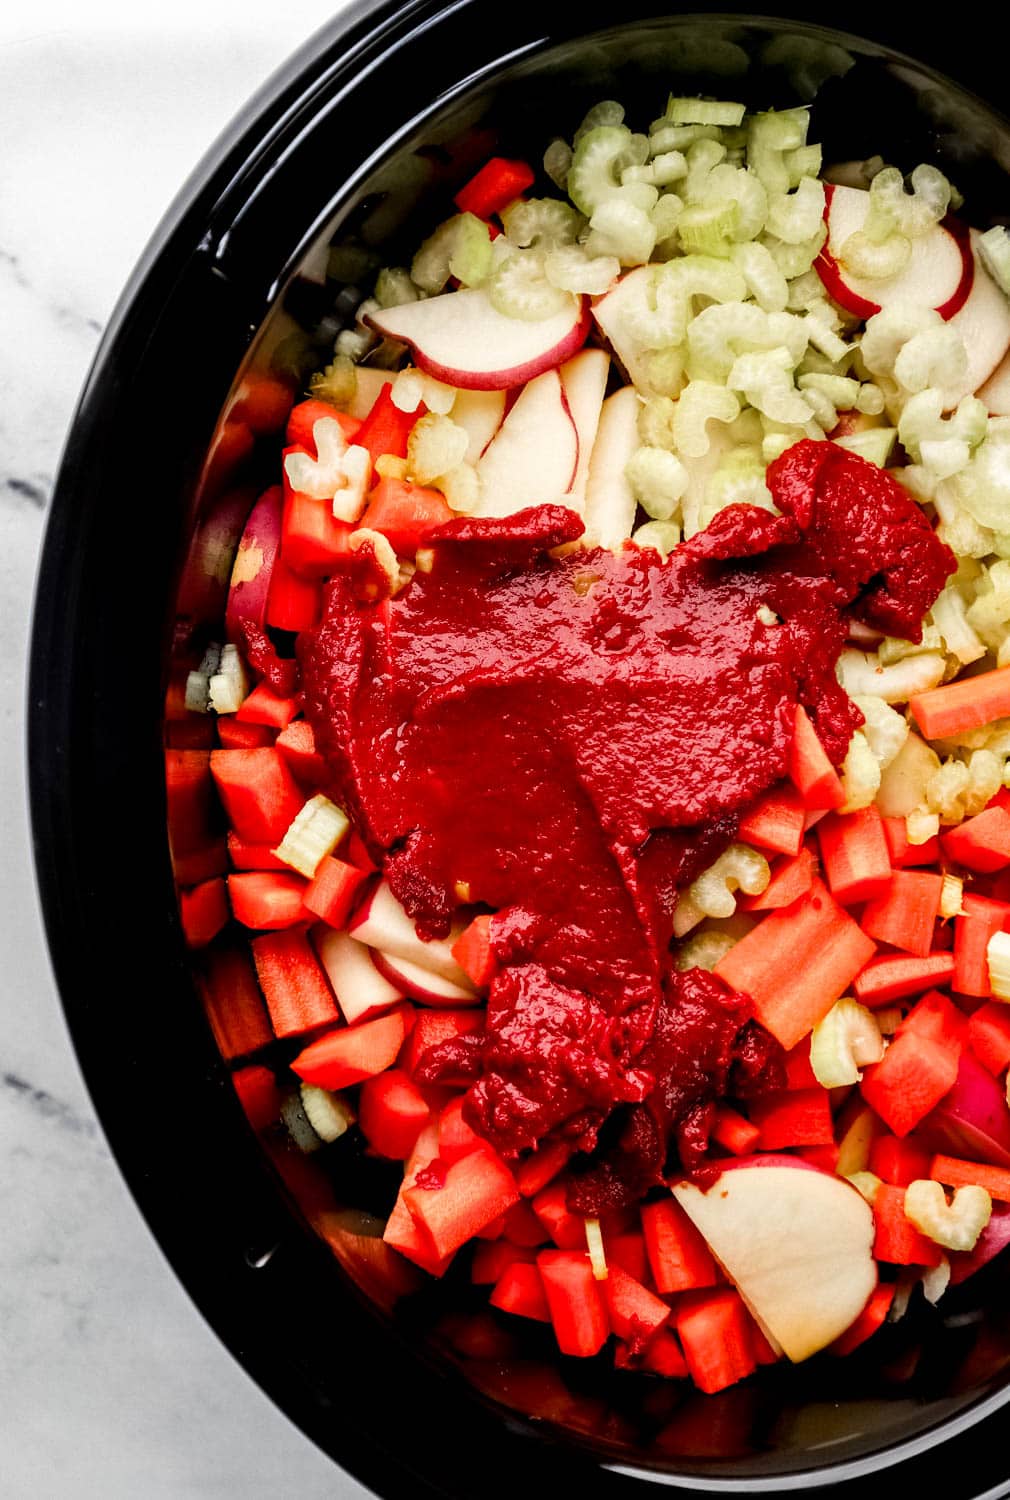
111, 1384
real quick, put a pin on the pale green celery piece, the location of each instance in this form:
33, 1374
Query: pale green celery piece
635, 153
337, 383
840, 390
945, 457
594, 175
667, 167
847, 1040
719, 333
804, 289
664, 370
822, 409
795, 260
744, 188
435, 446
313, 834
765, 380
471, 256
655, 422
394, 287
541, 221
673, 289
949, 615
875, 261
701, 402
956, 1225
876, 444
703, 112
805, 161
708, 227
795, 217
983, 489
607, 113
765, 282
638, 174
658, 480
884, 729
994, 248
704, 950
518, 288
430, 267
870, 400
557, 162
866, 1183
666, 214
738, 480
774, 444
329, 1115
770, 136
702, 157
643, 195
662, 536
889, 330
936, 356
571, 269
354, 343
916, 212
860, 774
989, 612
618, 228
666, 137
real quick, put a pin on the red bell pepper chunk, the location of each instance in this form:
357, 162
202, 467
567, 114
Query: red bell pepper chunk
981, 843
233, 1003
791, 878
343, 1057
913, 1076
405, 513
799, 1117
989, 1036
901, 852
475, 1190
297, 745
854, 853
386, 428
678, 1256
260, 796
204, 911
905, 914
258, 1095
715, 1333
635, 1314
776, 821
897, 1241
297, 992
293, 602
796, 963
332, 891
498, 183
895, 976
980, 921
577, 1309
306, 414
810, 770
267, 900
392, 1113
872, 1317
472, 951
520, 1290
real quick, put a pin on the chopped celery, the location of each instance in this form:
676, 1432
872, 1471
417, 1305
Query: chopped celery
655, 422
665, 137
667, 167
228, 687
619, 228
912, 213
322, 476
875, 261
541, 221
870, 400
594, 175
718, 334
518, 288
704, 950
658, 479
998, 959
471, 256
703, 112
315, 832
569, 268
866, 1183
994, 248
702, 158
933, 357
708, 227
665, 215
936, 1280
337, 383
436, 444
407, 390
198, 682
737, 185
739, 868
843, 1043
765, 282
557, 162
607, 112
595, 1250
795, 260
329, 1115
356, 477
795, 216
394, 287
860, 774
770, 136
876, 444
955, 1225
662, 536
950, 617
765, 379
805, 161
701, 402
952, 896
884, 729
461, 486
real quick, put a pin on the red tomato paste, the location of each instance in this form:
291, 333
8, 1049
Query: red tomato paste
569, 740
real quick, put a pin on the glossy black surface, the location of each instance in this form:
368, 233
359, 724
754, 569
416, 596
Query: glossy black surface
296, 167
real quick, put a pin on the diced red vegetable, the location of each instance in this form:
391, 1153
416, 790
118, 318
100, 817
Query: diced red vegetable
204, 911
264, 402
234, 735
386, 428
872, 1317
314, 543
265, 707
405, 513
260, 796
577, 1309
678, 1256
810, 770
955, 1173
981, 843
895, 976
715, 1333
791, 878
297, 745
541, 1167
258, 1094
897, 1241
306, 414
293, 602
796, 963
905, 914
267, 899
234, 1004
635, 1314
913, 1076
472, 951
297, 992
982, 918
776, 821
567, 1230
520, 1290
455, 1137
246, 856
937, 1017
733, 1132
798, 1117
434, 1026
628, 1252
664, 1356
492, 1258
799, 1069
401, 1231
495, 186
476, 1189
989, 1036
522, 1227
854, 853
901, 852
190, 799
392, 1112
957, 706
343, 1057
332, 891
899, 1162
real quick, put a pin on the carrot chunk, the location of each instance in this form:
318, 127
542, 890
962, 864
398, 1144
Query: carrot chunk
810, 770
520, 1290
955, 1173
776, 821
343, 1057
577, 1309
854, 853
897, 1241
895, 976
981, 919
913, 1076
297, 992
233, 1003
904, 915
969, 704
678, 1256
715, 1333
260, 796
981, 843
989, 1036
475, 1190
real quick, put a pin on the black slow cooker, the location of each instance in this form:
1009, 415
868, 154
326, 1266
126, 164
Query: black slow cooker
359, 142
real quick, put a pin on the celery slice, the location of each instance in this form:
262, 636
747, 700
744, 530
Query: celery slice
607, 113
594, 1247
436, 444
998, 959
329, 1115
394, 287
951, 896
569, 268
594, 175
541, 221
866, 1183
703, 112
701, 402
765, 281
956, 1225
314, 833
228, 687
994, 248
337, 383
620, 228
876, 444
794, 217
518, 288
658, 479
661, 536
708, 227
843, 1043
738, 868
557, 163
